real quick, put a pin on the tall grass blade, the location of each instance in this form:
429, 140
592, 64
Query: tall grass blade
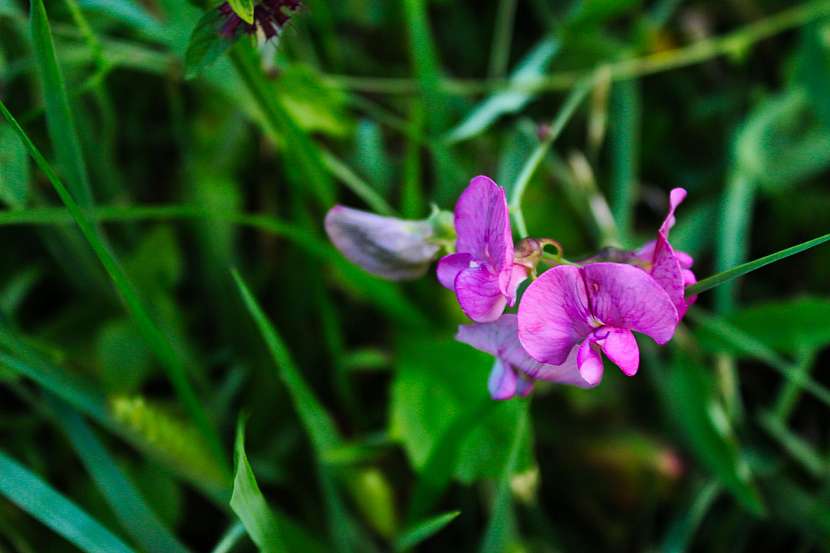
29, 492
155, 338
135, 516
423, 530
249, 504
746, 268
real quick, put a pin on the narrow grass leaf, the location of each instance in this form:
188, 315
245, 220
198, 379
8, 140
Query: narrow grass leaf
530, 68
317, 422
155, 338
135, 516
755, 349
795, 446
682, 531
14, 169
423, 530
29, 492
745, 268
706, 426
59, 120
625, 151
249, 504
496, 535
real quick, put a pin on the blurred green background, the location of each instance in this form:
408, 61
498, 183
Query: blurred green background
198, 369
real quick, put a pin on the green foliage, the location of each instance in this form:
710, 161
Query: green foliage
691, 396
370, 428
249, 505
39, 499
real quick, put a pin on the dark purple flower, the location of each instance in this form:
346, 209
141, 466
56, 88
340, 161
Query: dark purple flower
269, 15
392, 248
514, 370
582, 311
482, 272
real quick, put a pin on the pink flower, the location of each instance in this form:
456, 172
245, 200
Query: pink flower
671, 269
584, 311
514, 370
482, 272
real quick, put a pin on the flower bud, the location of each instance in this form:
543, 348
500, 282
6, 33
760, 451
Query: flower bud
391, 248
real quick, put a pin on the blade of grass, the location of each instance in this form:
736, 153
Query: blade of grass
502, 36
557, 125
758, 350
315, 419
249, 504
797, 448
155, 338
495, 536
59, 121
356, 184
29, 492
135, 516
384, 295
682, 531
789, 393
625, 146
230, 538
304, 152
745, 268
424, 530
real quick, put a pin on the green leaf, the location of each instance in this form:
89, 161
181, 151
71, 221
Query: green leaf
783, 143
14, 169
813, 67
682, 531
29, 492
206, 44
745, 268
249, 504
429, 393
153, 335
59, 119
783, 325
695, 409
625, 151
318, 424
423, 530
531, 67
496, 535
244, 9
124, 499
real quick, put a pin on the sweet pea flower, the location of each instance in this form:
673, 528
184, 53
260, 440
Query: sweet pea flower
514, 370
584, 311
392, 248
482, 272
670, 268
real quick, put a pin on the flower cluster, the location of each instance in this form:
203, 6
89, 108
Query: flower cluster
568, 317
269, 15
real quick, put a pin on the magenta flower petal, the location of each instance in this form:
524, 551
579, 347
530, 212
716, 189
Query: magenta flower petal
554, 315
676, 197
626, 297
509, 281
502, 382
621, 348
388, 247
482, 223
589, 362
500, 338
450, 266
479, 295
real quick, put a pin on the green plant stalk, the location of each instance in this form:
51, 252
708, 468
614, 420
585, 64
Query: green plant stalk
502, 36
745, 268
529, 168
129, 295
697, 52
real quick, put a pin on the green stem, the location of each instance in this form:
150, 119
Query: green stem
529, 168
744, 268
697, 52
500, 51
